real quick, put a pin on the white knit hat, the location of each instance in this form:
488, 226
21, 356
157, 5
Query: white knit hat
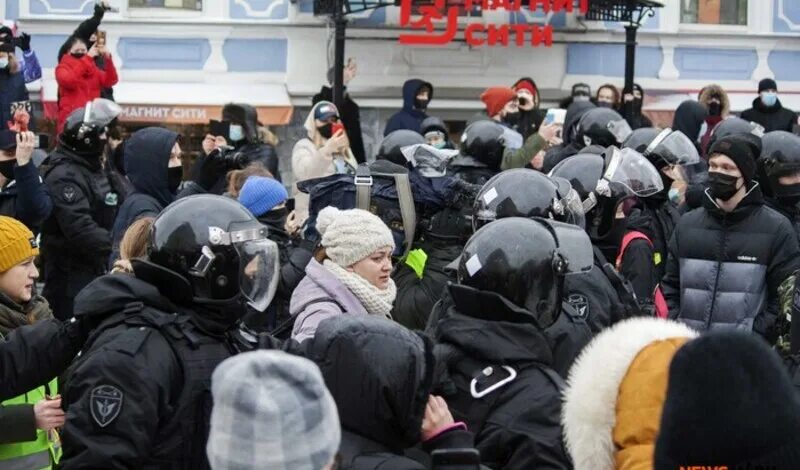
351, 235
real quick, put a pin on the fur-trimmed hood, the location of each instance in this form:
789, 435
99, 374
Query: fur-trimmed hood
705, 95
594, 410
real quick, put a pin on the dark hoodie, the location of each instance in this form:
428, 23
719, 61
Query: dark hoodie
251, 148
380, 375
517, 425
632, 111
571, 146
689, 118
773, 118
529, 121
146, 159
409, 117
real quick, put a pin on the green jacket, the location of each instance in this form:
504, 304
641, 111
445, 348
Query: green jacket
522, 156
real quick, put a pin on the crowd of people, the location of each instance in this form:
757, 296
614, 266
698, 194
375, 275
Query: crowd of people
553, 289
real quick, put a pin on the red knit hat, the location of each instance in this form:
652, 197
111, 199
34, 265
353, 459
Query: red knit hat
495, 98
525, 85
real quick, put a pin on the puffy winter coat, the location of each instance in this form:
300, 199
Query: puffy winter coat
773, 118
481, 341
408, 117
81, 81
724, 269
611, 419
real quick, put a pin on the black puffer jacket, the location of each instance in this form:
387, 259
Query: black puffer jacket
380, 375
773, 118
724, 269
517, 425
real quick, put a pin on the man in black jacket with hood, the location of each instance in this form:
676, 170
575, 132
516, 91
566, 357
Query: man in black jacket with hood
153, 166
495, 357
728, 258
768, 111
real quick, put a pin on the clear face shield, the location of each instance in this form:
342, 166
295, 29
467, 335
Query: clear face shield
628, 173
100, 112
428, 160
258, 263
621, 130
677, 151
569, 208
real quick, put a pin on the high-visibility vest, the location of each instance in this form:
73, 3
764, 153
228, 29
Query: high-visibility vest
41, 453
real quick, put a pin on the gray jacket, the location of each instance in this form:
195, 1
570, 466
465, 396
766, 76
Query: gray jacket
320, 295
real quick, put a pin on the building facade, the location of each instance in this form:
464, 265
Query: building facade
179, 60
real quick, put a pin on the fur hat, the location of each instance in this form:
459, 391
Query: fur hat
351, 235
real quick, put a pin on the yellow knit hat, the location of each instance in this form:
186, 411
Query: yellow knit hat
17, 243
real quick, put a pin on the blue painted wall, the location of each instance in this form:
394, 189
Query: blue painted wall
62, 7
609, 60
163, 53
715, 64
46, 47
255, 55
785, 64
791, 10
279, 9
12, 10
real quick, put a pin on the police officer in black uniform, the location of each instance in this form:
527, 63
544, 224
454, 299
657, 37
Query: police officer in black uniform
139, 396
76, 238
496, 360
482, 150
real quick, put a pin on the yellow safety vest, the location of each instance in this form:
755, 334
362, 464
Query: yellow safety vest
40, 454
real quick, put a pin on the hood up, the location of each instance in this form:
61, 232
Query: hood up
146, 159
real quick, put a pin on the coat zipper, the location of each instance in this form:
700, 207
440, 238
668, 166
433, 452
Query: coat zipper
719, 269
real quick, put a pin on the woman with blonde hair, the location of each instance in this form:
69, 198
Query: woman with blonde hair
133, 244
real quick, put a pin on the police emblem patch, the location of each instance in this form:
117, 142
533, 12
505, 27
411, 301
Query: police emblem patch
105, 402
580, 303
69, 193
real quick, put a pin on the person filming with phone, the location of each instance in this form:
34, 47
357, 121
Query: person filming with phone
23, 194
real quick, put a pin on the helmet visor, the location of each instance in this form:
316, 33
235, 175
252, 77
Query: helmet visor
569, 208
620, 129
101, 112
428, 160
258, 264
675, 149
629, 172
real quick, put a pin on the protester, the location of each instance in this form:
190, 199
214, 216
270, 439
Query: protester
30, 418
607, 96
323, 153
12, 80
245, 138
76, 238
751, 422
496, 359
153, 166
351, 113
716, 101
581, 92
396, 368
502, 106
133, 245
23, 194
690, 119
114, 168
530, 115
350, 275
79, 79
271, 411
87, 31
28, 62
139, 396
611, 419
417, 94
571, 145
436, 133
727, 259
631, 108
768, 111
237, 178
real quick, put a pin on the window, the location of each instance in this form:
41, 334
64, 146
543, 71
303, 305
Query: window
731, 12
196, 5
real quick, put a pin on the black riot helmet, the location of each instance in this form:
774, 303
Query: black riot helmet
641, 138
780, 157
526, 193
603, 127
392, 145
484, 141
734, 125
524, 261
210, 250
85, 128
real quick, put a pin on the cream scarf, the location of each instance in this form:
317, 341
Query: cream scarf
375, 301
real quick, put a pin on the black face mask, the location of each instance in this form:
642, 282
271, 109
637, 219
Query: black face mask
422, 105
714, 109
722, 186
7, 169
78, 55
326, 131
174, 178
637, 105
275, 217
512, 119
605, 104
793, 194
524, 102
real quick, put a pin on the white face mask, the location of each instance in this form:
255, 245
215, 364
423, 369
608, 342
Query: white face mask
3, 62
236, 133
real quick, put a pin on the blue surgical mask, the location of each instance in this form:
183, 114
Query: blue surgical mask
769, 98
3, 62
439, 145
674, 195
236, 133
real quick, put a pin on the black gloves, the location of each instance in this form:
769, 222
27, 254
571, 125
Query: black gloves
24, 42
207, 170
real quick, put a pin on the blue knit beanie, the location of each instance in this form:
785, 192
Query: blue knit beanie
260, 194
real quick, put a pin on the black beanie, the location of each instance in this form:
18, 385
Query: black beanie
767, 84
729, 402
743, 149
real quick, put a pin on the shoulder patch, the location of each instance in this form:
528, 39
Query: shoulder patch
105, 402
69, 193
580, 303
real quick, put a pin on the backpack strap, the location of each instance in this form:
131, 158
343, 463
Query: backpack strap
626, 241
407, 210
363, 182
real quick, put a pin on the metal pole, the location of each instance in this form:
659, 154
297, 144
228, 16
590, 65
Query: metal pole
630, 63
340, 23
